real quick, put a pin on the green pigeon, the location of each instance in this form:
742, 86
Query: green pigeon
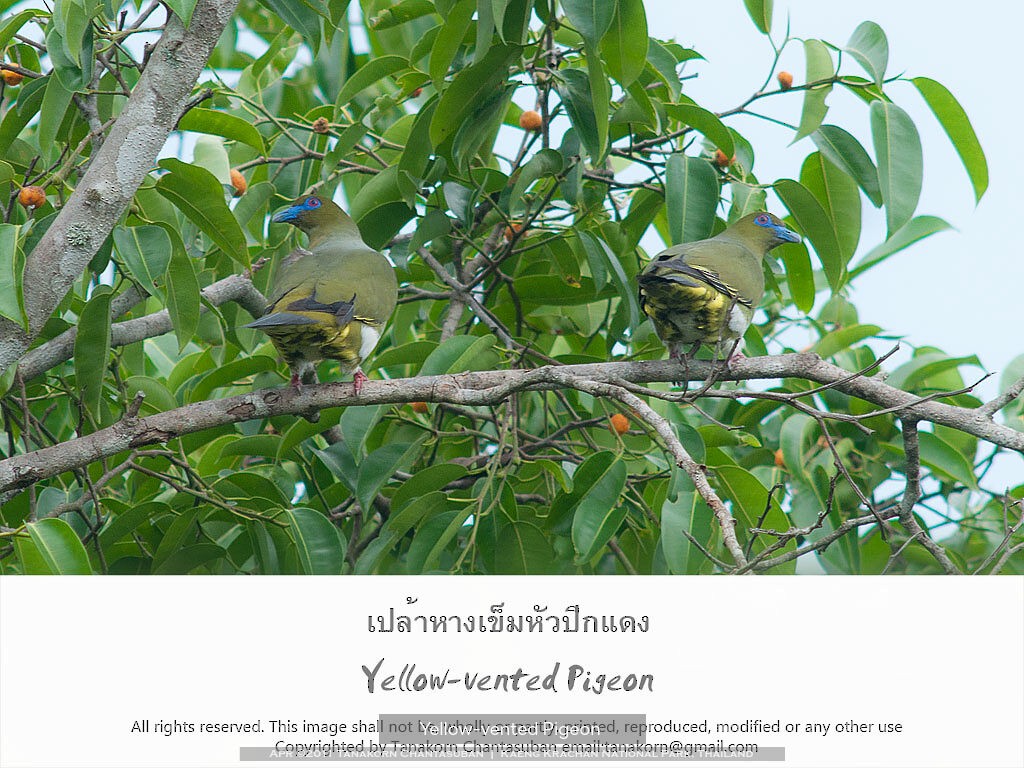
330, 300
705, 292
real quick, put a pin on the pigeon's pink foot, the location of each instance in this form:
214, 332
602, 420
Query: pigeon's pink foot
734, 357
296, 382
358, 380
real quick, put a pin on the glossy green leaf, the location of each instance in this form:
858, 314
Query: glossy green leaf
574, 90
12, 265
599, 253
547, 162
395, 528
799, 274
870, 48
189, 558
319, 544
182, 297
433, 536
448, 41
591, 18
916, 229
900, 162
469, 87
943, 458
10, 26
705, 122
839, 197
691, 196
523, 549
957, 125
198, 194
217, 123
459, 354
689, 513
372, 72
92, 349
819, 67
624, 45
146, 253
796, 437
427, 480
815, 223
182, 9
844, 151
377, 469
915, 373
401, 13
599, 513
59, 549
760, 13
843, 338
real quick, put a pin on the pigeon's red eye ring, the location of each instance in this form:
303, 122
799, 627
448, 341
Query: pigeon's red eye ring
763, 220
313, 202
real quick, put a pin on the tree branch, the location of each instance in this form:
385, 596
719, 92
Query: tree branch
476, 388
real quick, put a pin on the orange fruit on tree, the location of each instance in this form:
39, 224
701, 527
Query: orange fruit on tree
530, 120
785, 80
619, 424
32, 197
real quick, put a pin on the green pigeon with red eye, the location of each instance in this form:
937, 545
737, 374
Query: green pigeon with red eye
705, 292
330, 300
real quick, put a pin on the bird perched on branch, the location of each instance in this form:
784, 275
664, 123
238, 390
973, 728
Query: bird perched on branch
329, 301
705, 292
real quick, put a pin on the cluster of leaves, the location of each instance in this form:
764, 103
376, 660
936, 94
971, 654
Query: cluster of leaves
514, 248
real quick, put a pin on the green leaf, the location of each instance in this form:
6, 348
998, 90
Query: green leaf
845, 151
182, 9
761, 14
839, 197
380, 208
591, 18
189, 558
12, 266
92, 349
182, 297
707, 123
871, 50
217, 123
146, 253
574, 89
9, 28
547, 162
799, 274
955, 123
816, 224
59, 548
56, 100
691, 196
523, 549
460, 354
401, 13
689, 513
449, 40
395, 528
598, 252
373, 71
943, 458
427, 480
916, 229
319, 544
749, 499
915, 373
432, 538
469, 87
598, 514
796, 437
299, 16
900, 162
377, 469
819, 67
843, 338
197, 193
624, 45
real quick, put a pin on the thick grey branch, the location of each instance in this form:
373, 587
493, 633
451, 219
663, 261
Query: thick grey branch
477, 388
116, 170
